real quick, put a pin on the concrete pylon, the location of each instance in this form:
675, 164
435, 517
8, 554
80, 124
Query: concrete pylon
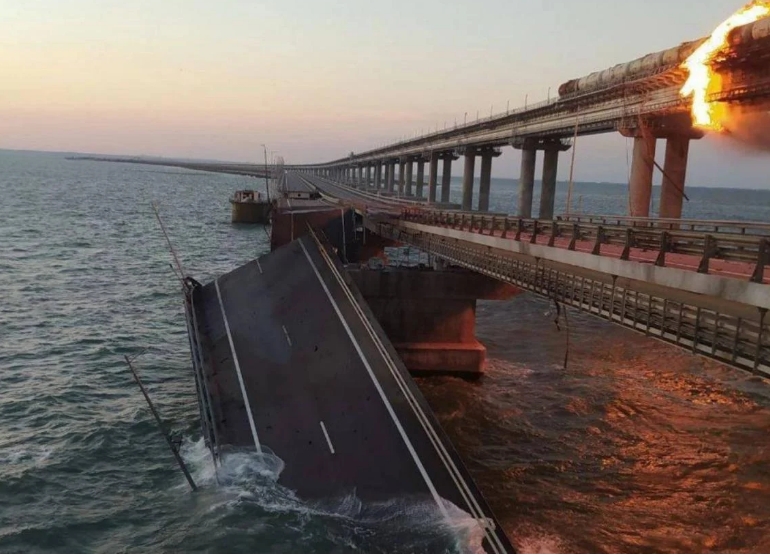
528, 149
527, 180
378, 174
640, 183
401, 175
409, 175
391, 176
548, 185
485, 178
468, 170
446, 177
420, 176
674, 173
368, 175
433, 177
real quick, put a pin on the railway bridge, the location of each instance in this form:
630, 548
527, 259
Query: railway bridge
640, 99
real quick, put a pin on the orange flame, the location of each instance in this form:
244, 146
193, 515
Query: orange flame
702, 78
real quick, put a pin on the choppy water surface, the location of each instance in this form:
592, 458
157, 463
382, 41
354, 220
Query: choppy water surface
636, 446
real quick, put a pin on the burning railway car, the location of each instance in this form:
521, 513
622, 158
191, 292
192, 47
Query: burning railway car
659, 62
651, 64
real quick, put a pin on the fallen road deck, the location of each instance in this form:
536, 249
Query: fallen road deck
289, 357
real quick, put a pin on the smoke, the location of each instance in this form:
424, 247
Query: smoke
748, 129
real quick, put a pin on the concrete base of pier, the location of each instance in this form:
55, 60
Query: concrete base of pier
430, 316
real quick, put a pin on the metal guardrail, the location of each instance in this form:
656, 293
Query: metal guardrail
709, 226
729, 338
201, 384
645, 235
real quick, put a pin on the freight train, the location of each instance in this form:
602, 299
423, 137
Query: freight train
658, 62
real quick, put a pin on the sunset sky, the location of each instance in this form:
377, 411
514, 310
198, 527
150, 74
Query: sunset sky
316, 80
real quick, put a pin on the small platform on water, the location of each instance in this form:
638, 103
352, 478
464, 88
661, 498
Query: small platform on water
288, 356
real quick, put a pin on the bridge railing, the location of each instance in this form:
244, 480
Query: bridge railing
620, 237
710, 226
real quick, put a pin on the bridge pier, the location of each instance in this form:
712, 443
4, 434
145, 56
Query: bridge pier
409, 174
420, 176
548, 184
391, 168
640, 183
430, 316
446, 175
378, 175
468, 170
401, 175
368, 176
527, 178
675, 171
433, 177
485, 179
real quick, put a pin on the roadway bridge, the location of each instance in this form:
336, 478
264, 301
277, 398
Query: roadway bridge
288, 357
701, 285
639, 99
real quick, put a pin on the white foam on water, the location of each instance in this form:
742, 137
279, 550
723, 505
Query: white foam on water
245, 476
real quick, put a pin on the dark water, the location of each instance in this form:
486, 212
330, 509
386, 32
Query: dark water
637, 446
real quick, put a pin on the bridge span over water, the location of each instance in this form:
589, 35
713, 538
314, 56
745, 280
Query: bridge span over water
640, 99
701, 285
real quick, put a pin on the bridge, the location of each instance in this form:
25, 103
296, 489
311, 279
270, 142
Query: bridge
639, 99
309, 349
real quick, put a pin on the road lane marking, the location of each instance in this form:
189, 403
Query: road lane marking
326, 435
457, 477
286, 333
238, 370
259, 266
378, 387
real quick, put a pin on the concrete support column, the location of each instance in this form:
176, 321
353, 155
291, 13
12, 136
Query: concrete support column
548, 187
420, 176
674, 173
470, 163
527, 181
485, 178
377, 175
409, 174
368, 175
401, 171
446, 177
433, 177
391, 176
640, 184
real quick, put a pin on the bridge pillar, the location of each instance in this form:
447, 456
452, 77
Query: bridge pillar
408, 179
527, 178
368, 176
401, 168
446, 176
433, 177
420, 176
640, 184
378, 174
470, 163
485, 179
548, 185
391, 175
674, 173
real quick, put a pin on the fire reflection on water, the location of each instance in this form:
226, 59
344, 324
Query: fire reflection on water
636, 446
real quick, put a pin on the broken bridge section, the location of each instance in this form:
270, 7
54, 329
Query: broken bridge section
289, 356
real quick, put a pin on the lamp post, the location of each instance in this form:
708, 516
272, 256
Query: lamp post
267, 184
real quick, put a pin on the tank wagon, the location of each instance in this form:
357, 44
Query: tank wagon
651, 64
753, 32
659, 62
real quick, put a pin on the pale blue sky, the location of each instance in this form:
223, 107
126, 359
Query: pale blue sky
315, 80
